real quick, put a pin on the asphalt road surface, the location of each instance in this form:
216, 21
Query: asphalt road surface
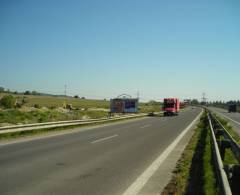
104, 160
233, 118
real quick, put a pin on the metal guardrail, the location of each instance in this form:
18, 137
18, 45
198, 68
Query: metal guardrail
38, 126
222, 176
223, 140
234, 145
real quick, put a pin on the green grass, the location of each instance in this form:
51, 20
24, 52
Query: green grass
229, 157
14, 116
208, 169
48, 101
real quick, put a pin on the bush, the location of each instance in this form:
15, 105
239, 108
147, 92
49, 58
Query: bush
35, 93
7, 101
2, 89
27, 93
36, 106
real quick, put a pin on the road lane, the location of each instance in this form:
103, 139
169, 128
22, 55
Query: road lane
233, 118
104, 139
70, 164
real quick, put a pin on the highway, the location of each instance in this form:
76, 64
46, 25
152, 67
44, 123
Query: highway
107, 160
233, 118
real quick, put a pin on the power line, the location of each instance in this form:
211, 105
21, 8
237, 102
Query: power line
65, 90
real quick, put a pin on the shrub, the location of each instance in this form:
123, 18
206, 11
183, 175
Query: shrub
35, 93
2, 89
36, 106
8, 101
27, 93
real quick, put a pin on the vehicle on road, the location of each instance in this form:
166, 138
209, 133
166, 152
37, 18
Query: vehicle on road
171, 106
232, 108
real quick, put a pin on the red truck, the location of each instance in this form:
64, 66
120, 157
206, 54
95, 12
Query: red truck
171, 106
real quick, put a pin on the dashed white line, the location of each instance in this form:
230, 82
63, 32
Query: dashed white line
103, 139
163, 120
140, 182
145, 126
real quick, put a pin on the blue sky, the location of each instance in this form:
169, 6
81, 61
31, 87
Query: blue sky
101, 49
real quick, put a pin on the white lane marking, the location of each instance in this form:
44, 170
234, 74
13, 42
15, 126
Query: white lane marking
139, 183
163, 120
145, 126
103, 139
228, 118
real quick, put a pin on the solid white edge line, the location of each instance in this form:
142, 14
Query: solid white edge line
103, 139
139, 183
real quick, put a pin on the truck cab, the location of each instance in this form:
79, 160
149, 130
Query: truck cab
171, 106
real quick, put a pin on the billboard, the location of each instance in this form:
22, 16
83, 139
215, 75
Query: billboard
126, 105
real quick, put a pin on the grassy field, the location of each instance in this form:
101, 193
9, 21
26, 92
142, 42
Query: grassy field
50, 108
50, 101
15, 116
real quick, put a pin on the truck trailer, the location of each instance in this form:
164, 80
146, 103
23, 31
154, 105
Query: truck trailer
171, 106
232, 108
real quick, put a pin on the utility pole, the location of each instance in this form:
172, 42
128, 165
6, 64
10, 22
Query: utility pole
65, 94
204, 99
65, 90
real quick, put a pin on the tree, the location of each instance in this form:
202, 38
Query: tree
27, 93
1, 89
8, 101
76, 96
35, 93
194, 102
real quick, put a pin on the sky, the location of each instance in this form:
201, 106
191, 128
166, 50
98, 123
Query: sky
104, 48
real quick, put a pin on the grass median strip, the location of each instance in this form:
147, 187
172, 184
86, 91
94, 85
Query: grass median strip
28, 133
229, 128
194, 173
229, 156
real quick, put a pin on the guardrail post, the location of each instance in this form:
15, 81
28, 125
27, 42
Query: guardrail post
219, 133
224, 144
233, 174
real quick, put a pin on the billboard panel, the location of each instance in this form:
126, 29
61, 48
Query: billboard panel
124, 105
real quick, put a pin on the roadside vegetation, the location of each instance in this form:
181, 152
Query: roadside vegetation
33, 107
194, 173
150, 106
16, 116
